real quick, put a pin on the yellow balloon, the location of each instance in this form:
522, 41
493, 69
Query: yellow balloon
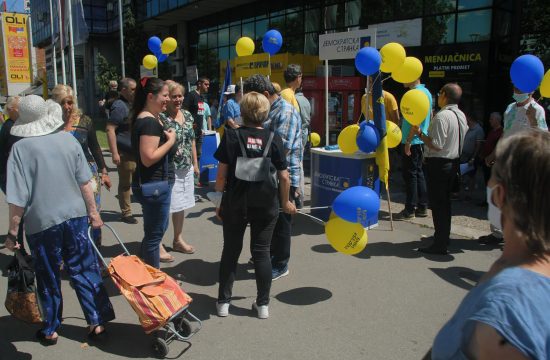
545, 85
409, 71
393, 134
244, 46
393, 56
347, 140
315, 139
150, 61
169, 45
346, 237
332, 215
415, 106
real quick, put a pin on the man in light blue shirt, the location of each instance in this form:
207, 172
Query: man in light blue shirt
416, 202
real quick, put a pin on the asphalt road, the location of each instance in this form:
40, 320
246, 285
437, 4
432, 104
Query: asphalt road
388, 302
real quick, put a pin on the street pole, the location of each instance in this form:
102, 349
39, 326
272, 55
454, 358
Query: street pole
121, 26
71, 48
61, 44
54, 56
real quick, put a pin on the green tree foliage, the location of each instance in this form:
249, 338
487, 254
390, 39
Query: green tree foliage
535, 27
105, 73
135, 44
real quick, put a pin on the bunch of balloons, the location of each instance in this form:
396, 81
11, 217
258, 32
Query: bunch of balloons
527, 74
345, 230
391, 58
160, 49
271, 43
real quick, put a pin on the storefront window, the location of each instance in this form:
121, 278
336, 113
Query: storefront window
277, 23
312, 20
503, 24
223, 53
311, 44
248, 30
202, 40
439, 6
261, 29
474, 26
473, 4
223, 37
438, 30
213, 39
234, 34
353, 13
294, 23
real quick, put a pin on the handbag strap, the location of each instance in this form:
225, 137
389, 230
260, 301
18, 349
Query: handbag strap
20, 255
266, 149
459, 133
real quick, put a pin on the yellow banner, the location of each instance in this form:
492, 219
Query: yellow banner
253, 64
17, 48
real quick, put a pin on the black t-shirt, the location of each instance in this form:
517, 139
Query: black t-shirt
194, 103
152, 127
118, 115
254, 141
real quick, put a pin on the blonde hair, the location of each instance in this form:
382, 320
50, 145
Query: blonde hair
11, 104
172, 85
277, 87
61, 92
254, 108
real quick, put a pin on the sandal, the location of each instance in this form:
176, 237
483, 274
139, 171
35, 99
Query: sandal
44, 340
92, 335
182, 249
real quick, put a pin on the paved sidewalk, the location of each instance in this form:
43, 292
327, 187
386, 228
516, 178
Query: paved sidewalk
386, 303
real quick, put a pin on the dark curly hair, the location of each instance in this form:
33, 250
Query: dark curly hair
259, 84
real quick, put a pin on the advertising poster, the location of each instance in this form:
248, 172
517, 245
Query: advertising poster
16, 48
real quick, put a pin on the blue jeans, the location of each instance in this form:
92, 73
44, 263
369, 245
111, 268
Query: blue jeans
68, 243
415, 183
156, 216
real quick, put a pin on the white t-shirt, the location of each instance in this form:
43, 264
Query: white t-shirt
515, 117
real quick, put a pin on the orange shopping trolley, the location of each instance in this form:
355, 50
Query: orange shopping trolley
158, 300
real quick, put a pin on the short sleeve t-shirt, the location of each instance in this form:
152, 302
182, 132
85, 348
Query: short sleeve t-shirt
390, 104
514, 302
118, 115
152, 127
515, 117
207, 114
232, 110
473, 135
44, 175
254, 141
194, 103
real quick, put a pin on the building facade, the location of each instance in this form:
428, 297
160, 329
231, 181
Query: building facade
472, 42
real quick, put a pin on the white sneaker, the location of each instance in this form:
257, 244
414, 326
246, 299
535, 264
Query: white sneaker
222, 309
262, 310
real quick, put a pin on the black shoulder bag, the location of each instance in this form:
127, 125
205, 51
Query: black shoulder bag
155, 191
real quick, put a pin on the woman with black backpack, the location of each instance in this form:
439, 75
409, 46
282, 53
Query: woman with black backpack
253, 176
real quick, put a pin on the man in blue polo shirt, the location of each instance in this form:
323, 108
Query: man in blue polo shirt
416, 202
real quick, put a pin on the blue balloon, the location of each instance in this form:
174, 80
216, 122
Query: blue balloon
154, 43
162, 57
368, 60
376, 131
368, 138
272, 42
356, 204
527, 72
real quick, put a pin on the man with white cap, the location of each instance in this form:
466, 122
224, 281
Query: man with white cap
48, 183
231, 112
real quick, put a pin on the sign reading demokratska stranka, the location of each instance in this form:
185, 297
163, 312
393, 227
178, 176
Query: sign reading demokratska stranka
345, 45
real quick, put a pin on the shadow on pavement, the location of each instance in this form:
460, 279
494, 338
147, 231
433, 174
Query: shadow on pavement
305, 225
462, 277
197, 214
304, 296
202, 273
9, 352
204, 307
109, 216
110, 251
323, 249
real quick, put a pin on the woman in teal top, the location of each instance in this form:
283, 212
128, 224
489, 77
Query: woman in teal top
506, 315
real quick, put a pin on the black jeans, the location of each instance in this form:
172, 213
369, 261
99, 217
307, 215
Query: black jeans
261, 231
280, 244
441, 173
415, 183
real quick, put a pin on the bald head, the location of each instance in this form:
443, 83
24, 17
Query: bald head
453, 93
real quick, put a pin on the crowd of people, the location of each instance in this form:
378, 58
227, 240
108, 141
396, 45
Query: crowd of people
52, 170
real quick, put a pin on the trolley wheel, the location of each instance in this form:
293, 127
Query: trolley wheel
160, 347
184, 327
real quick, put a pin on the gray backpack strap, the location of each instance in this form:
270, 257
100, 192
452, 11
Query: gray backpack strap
243, 150
268, 145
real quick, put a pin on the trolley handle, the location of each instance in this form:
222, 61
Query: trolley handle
126, 252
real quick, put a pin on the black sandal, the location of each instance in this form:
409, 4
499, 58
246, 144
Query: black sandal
44, 340
92, 335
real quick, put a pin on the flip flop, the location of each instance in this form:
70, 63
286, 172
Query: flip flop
183, 251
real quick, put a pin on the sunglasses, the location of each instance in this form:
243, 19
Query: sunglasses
67, 102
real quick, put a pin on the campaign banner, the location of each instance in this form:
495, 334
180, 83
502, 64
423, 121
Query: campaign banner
16, 44
345, 45
406, 32
252, 64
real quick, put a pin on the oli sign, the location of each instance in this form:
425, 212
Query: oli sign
16, 63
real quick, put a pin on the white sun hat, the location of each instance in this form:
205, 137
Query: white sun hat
37, 117
230, 90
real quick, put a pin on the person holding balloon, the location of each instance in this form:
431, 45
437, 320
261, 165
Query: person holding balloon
444, 142
416, 202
